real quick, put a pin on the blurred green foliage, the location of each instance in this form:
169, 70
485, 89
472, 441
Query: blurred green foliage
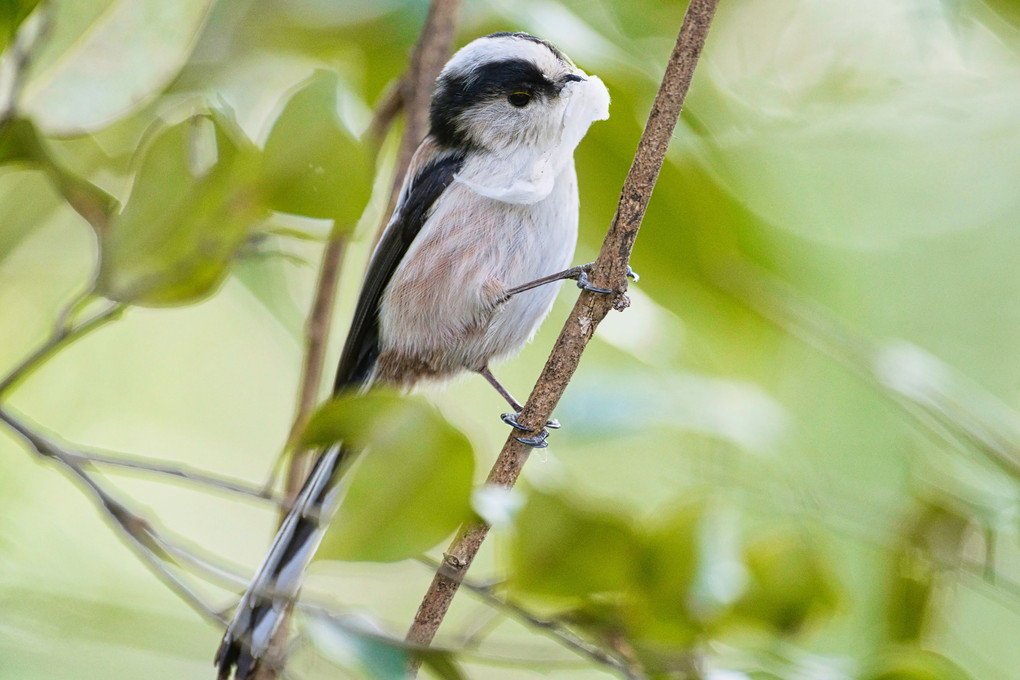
313, 165
192, 205
410, 489
351, 644
794, 456
12, 13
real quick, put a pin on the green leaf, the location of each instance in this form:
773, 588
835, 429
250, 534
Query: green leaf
106, 58
441, 664
907, 605
20, 142
191, 207
313, 166
27, 200
12, 14
659, 608
266, 279
409, 490
691, 574
563, 550
916, 664
356, 645
790, 581
350, 643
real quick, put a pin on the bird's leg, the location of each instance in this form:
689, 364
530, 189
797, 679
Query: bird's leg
503, 392
539, 440
579, 273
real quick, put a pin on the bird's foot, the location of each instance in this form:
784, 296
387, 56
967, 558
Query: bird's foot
537, 441
511, 420
585, 284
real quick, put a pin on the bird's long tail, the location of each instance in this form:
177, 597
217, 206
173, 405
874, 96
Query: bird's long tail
278, 579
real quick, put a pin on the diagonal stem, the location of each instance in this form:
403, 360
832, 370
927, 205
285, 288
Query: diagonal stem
552, 628
63, 335
610, 271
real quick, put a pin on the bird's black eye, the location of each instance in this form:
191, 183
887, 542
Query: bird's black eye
518, 99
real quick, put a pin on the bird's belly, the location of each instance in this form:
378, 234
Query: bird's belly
442, 311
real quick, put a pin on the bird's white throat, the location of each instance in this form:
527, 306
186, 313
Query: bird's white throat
524, 176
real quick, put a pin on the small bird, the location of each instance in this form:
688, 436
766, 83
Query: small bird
466, 270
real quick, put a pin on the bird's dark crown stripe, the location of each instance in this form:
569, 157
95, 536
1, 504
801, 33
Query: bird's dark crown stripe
458, 92
527, 36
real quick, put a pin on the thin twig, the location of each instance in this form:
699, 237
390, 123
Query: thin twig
553, 629
386, 111
203, 565
141, 537
62, 335
610, 271
147, 466
180, 472
415, 89
477, 632
316, 342
66, 332
354, 626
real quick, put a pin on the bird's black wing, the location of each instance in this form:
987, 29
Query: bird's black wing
431, 172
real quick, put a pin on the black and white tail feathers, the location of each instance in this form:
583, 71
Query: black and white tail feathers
278, 579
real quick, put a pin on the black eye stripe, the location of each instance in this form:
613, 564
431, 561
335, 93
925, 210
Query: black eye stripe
457, 93
502, 77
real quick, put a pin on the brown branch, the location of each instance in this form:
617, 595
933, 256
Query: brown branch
316, 341
386, 111
552, 628
609, 272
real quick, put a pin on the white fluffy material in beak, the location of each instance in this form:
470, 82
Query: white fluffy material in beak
528, 177
589, 102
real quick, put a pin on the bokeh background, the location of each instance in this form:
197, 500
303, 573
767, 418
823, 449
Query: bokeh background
818, 378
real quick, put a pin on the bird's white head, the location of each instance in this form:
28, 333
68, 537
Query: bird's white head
511, 90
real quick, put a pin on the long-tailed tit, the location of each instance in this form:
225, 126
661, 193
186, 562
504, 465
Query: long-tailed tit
487, 217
